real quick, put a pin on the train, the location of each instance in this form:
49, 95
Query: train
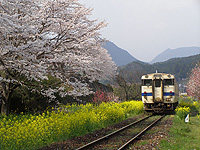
160, 92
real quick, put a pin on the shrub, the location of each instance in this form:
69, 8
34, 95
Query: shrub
99, 97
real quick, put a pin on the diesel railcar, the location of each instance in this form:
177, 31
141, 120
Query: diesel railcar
159, 92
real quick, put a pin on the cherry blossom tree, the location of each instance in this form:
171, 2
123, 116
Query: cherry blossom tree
193, 85
41, 38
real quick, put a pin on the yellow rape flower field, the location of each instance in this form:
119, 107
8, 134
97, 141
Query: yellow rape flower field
28, 131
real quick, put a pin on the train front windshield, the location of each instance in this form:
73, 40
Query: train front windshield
147, 82
158, 83
169, 82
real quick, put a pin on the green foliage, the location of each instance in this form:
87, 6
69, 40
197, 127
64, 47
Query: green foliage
185, 104
25, 100
189, 102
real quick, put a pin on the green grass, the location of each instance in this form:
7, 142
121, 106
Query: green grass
144, 142
183, 136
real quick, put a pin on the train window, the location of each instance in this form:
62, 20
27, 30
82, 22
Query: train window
147, 82
157, 82
169, 82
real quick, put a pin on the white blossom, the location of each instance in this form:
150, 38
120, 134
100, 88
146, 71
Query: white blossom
47, 37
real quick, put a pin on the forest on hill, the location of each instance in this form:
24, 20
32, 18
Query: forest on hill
180, 67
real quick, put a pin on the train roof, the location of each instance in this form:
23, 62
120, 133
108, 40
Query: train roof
158, 75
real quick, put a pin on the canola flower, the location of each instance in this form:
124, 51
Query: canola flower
196, 105
182, 112
27, 131
193, 105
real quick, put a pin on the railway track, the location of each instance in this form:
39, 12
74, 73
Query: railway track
126, 128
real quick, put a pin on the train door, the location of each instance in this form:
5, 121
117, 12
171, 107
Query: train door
158, 90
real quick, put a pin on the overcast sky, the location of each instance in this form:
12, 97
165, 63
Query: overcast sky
146, 28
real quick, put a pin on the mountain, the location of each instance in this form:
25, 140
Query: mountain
175, 53
119, 56
180, 67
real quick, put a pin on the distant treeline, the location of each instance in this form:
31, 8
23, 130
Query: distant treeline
180, 67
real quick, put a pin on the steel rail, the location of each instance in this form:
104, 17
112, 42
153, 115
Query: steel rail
108, 135
148, 127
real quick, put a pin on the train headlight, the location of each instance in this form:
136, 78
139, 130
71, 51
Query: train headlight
168, 99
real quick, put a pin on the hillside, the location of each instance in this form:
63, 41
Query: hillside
175, 53
119, 56
180, 67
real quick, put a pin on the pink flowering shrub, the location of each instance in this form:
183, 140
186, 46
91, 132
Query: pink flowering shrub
100, 96
193, 85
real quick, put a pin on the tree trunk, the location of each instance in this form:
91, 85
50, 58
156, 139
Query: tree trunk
126, 94
6, 99
5, 107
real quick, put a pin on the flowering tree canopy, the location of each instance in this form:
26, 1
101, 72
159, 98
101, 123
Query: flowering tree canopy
41, 38
193, 85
